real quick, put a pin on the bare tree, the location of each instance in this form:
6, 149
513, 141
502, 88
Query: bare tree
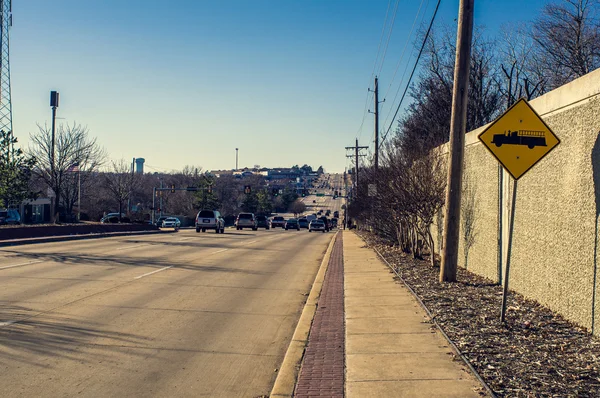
297, 207
469, 216
120, 182
73, 146
567, 37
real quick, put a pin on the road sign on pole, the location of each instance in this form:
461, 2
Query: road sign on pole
519, 139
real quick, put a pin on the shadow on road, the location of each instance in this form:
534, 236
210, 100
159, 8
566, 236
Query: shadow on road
34, 338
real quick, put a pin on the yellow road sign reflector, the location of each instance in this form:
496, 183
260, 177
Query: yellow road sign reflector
519, 138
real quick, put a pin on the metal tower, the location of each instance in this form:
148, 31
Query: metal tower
5, 102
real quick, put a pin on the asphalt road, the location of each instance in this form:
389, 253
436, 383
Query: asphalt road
181, 314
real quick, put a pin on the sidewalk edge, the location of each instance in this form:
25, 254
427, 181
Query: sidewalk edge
290, 367
432, 318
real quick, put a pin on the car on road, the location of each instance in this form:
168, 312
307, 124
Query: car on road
328, 212
292, 223
246, 220
278, 221
210, 219
112, 218
326, 222
171, 222
303, 222
336, 214
316, 225
9, 216
334, 223
263, 222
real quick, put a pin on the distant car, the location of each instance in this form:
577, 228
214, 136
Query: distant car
171, 222
263, 222
246, 220
336, 214
10, 216
292, 223
159, 220
314, 201
334, 223
303, 222
113, 218
328, 212
278, 221
326, 222
316, 225
210, 219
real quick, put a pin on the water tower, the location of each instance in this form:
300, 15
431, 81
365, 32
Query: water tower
139, 165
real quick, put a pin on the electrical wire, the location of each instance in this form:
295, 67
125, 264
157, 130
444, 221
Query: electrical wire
389, 36
412, 28
412, 73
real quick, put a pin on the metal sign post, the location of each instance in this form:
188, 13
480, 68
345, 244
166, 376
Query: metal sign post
510, 236
518, 139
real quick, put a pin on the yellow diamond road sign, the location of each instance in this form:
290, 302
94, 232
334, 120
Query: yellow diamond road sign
519, 138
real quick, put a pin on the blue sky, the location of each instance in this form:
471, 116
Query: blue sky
186, 82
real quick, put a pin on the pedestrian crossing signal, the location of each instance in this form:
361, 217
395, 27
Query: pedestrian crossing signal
247, 189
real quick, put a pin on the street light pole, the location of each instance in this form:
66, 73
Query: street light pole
236, 159
54, 104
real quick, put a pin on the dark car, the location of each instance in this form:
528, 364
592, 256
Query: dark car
263, 222
326, 222
303, 222
292, 223
336, 214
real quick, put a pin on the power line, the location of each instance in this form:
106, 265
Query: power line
405, 46
412, 73
388, 38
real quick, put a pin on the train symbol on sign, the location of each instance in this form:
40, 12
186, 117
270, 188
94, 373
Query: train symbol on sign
529, 138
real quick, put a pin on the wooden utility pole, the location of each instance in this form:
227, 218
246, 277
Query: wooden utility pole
356, 149
457, 141
377, 102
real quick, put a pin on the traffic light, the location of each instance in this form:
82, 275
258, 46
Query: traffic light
172, 188
247, 189
209, 189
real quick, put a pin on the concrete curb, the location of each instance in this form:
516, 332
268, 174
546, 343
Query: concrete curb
49, 239
290, 367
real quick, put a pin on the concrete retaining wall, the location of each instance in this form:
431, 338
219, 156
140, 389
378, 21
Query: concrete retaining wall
11, 232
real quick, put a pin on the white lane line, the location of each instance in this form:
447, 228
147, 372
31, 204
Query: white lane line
7, 323
247, 243
153, 272
130, 247
219, 251
182, 239
21, 264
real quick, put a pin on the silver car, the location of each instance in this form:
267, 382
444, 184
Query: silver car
316, 225
246, 220
171, 222
210, 219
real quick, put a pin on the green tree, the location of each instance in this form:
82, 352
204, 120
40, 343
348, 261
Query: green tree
206, 197
250, 203
265, 206
15, 171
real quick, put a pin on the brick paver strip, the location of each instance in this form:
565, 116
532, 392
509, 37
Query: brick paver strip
322, 372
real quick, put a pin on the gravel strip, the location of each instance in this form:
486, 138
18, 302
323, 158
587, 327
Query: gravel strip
537, 353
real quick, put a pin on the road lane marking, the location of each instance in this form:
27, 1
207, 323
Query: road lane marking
131, 247
7, 323
247, 243
219, 251
22, 264
153, 272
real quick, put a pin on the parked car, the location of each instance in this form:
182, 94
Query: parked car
292, 223
263, 222
278, 221
10, 216
159, 220
112, 218
171, 222
316, 225
303, 222
246, 220
210, 219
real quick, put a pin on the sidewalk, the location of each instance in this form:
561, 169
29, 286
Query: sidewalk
391, 349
